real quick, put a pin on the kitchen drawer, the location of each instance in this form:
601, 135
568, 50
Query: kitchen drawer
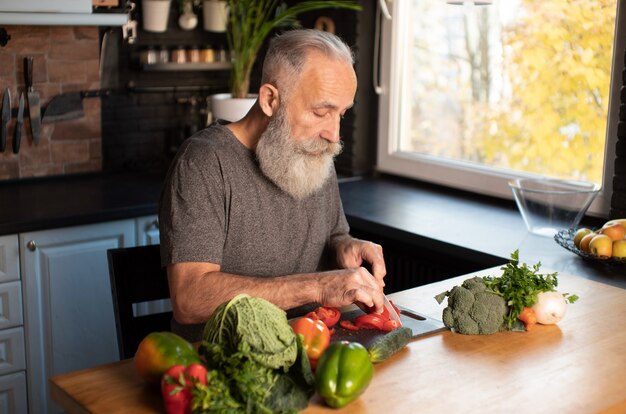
12, 355
9, 258
13, 393
10, 304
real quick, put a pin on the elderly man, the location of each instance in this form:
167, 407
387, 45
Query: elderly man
253, 206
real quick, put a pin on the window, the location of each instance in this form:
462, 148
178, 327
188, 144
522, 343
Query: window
474, 95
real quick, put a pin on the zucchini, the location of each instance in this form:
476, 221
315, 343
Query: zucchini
389, 344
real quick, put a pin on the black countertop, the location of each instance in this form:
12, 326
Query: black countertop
39, 204
396, 208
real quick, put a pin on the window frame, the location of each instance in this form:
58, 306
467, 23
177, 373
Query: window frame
462, 175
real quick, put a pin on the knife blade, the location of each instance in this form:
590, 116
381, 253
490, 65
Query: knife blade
69, 105
392, 311
6, 117
34, 109
17, 133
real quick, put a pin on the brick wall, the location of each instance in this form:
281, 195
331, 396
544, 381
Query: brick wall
66, 59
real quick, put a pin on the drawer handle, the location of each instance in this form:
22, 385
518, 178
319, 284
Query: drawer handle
31, 245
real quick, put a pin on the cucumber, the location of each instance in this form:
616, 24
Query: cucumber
389, 344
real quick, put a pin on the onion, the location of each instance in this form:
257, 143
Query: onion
550, 307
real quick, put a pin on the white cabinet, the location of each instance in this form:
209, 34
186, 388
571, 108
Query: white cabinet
70, 323
13, 393
9, 258
56, 13
46, 6
147, 230
12, 350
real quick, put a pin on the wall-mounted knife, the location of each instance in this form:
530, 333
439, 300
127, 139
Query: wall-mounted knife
6, 117
34, 109
17, 135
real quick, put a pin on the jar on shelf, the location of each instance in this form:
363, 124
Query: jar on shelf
148, 56
163, 55
193, 54
178, 55
222, 55
207, 54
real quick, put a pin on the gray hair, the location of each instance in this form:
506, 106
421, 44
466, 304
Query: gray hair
287, 53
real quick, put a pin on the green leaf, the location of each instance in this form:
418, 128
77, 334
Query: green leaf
519, 285
249, 24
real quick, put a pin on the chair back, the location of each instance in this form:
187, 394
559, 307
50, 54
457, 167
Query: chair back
137, 281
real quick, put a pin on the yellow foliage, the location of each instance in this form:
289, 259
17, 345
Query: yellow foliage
560, 73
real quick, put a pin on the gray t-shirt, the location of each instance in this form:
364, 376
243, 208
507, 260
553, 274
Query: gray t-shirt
217, 206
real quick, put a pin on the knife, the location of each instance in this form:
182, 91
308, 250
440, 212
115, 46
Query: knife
392, 311
17, 135
69, 105
6, 117
34, 110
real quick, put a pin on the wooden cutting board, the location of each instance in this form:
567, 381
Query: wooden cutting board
420, 325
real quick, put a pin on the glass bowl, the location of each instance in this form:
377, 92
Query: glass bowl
549, 205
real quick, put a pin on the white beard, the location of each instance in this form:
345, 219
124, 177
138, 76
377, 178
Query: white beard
299, 168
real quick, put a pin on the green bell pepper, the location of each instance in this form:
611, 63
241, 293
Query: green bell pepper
343, 373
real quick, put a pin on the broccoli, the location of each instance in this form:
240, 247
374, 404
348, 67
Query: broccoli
472, 309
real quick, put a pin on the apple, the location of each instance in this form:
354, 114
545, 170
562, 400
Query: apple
601, 245
580, 233
584, 242
615, 231
619, 249
621, 221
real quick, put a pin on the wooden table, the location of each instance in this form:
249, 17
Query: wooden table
578, 366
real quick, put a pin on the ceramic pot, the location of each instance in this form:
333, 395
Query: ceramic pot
155, 14
215, 15
231, 109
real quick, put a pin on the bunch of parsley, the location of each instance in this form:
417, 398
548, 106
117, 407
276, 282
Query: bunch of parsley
519, 285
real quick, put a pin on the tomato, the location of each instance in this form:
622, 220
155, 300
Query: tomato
384, 314
369, 321
312, 315
395, 307
316, 336
196, 373
329, 315
390, 325
348, 325
176, 385
175, 390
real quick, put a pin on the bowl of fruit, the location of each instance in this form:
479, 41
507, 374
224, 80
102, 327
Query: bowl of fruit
606, 244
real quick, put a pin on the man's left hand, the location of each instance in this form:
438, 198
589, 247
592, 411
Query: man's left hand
352, 252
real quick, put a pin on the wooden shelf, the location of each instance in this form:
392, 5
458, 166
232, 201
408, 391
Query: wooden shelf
176, 67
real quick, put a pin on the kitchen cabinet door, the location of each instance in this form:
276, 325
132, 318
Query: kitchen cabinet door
147, 230
9, 258
69, 317
13, 393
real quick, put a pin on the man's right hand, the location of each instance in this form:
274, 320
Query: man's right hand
344, 287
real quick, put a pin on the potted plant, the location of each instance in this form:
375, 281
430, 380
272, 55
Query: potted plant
249, 23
